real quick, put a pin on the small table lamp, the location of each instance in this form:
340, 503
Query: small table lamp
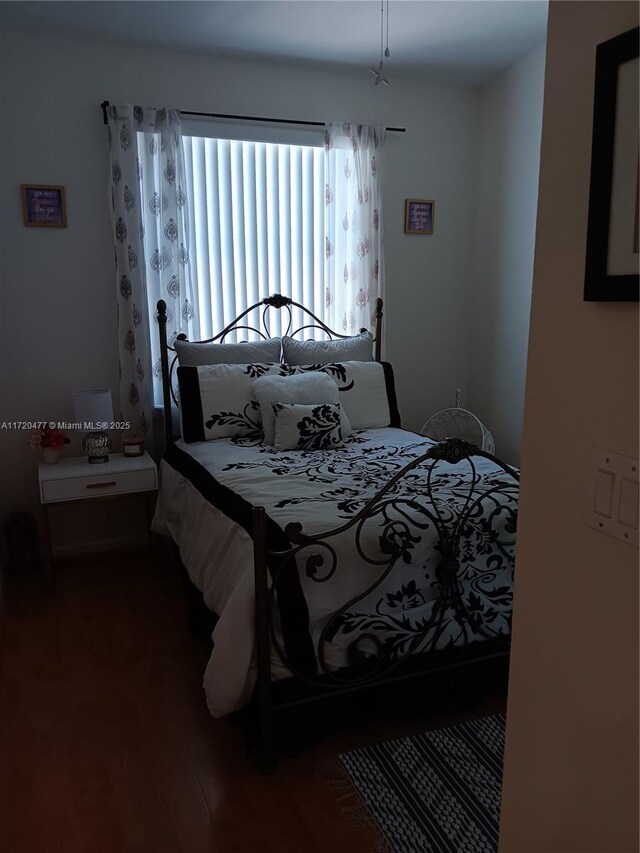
93, 410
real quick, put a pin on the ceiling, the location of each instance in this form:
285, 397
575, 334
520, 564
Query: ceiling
460, 41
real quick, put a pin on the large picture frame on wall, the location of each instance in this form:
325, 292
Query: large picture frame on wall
612, 259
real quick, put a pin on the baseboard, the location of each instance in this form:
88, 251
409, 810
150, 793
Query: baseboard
98, 547
110, 555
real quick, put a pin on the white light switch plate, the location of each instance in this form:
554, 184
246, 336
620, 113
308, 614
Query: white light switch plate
611, 503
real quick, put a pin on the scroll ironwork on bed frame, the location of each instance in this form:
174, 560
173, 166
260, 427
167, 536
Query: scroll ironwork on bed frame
370, 662
277, 302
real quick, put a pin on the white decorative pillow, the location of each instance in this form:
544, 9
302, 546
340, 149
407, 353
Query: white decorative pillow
307, 427
216, 400
357, 348
258, 352
304, 388
366, 391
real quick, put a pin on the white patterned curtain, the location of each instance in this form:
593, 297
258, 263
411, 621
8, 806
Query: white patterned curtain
354, 265
151, 236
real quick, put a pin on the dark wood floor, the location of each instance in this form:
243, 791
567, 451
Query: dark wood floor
106, 743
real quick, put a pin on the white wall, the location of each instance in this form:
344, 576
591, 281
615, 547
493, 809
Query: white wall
571, 766
57, 327
509, 148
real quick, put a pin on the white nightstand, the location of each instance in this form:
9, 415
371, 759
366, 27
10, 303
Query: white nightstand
75, 479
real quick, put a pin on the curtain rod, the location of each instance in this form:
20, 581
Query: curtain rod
105, 104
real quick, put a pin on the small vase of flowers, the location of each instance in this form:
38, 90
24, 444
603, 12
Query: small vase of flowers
48, 441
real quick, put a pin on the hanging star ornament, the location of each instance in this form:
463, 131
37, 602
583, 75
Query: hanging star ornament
380, 74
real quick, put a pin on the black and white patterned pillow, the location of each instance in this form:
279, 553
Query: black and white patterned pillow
307, 427
216, 401
302, 389
367, 391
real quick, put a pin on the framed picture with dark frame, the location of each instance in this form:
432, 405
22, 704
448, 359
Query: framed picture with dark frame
612, 259
43, 205
418, 216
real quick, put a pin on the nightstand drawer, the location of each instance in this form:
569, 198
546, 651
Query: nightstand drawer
98, 485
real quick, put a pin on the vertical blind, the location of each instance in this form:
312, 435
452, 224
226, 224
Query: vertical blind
257, 214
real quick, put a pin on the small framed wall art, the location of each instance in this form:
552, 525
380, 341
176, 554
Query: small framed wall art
418, 216
43, 206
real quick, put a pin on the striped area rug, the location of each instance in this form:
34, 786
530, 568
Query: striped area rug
435, 793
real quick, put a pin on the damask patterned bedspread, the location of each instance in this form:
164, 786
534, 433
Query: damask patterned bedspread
204, 504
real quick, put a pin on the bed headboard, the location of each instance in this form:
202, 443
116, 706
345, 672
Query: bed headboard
253, 319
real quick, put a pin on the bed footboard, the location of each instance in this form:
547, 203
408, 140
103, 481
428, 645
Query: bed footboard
474, 524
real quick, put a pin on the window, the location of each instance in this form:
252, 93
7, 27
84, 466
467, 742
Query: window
256, 227
212, 224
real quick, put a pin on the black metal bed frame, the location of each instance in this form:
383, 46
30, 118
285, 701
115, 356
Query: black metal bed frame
398, 517
275, 301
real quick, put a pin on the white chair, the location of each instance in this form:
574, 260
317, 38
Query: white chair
459, 423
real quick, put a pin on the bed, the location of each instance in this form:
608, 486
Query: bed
344, 556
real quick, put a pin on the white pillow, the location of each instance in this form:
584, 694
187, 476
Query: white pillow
357, 348
216, 400
304, 388
311, 427
258, 352
363, 391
